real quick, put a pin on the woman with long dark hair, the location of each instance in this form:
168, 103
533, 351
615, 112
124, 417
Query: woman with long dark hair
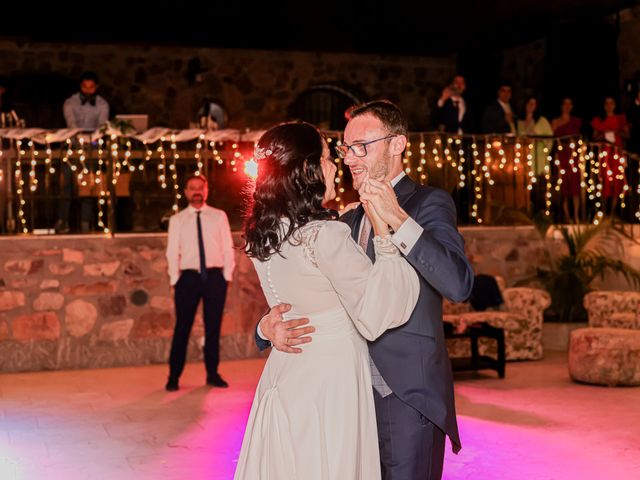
532, 123
313, 414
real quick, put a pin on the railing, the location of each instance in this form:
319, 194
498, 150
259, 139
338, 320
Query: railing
113, 183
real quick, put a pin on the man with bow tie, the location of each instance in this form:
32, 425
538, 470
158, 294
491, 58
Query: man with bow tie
86, 109
89, 111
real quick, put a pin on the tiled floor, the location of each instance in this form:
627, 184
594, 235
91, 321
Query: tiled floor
120, 424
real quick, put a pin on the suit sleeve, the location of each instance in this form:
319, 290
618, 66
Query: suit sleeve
438, 253
261, 343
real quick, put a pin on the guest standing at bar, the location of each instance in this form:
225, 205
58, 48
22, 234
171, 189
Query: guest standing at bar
499, 116
566, 125
452, 112
201, 260
610, 128
87, 110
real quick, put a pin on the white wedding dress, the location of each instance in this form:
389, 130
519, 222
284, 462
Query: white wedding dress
313, 415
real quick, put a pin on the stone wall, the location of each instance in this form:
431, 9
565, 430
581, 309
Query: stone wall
256, 86
629, 44
86, 302
95, 301
524, 67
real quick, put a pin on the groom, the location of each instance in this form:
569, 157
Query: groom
413, 385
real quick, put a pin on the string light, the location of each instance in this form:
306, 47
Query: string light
407, 158
596, 165
162, 165
198, 157
33, 181
339, 180
422, 167
462, 177
476, 174
174, 173
20, 187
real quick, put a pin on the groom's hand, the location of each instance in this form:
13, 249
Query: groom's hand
385, 202
285, 335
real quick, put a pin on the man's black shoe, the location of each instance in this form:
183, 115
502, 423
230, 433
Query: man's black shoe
217, 381
171, 386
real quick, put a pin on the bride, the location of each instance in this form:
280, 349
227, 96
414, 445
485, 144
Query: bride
313, 414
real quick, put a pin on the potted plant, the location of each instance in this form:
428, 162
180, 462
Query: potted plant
573, 258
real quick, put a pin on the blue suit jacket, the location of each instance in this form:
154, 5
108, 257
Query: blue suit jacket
413, 358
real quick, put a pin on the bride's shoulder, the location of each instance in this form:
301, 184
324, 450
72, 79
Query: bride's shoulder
321, 234
333, 229
325, 228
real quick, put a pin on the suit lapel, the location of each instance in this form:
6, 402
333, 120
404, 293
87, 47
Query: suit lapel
405, 189
354, 219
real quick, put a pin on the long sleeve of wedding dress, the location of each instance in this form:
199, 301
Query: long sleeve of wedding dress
376, 296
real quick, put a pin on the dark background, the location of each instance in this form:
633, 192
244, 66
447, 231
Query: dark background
577, 33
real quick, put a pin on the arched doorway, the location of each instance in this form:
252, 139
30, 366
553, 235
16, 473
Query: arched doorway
324, 105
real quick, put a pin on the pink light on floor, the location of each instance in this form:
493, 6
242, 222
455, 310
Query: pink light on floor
121, 424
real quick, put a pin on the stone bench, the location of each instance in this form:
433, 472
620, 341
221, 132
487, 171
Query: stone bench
605, 356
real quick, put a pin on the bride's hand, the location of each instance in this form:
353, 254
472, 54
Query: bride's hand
380, 227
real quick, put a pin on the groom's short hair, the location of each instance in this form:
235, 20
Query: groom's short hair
387, 112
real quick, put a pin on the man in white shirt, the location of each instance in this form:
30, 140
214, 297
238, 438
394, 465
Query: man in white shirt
201, 260
86, 109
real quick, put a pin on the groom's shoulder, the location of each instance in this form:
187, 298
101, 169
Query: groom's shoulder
347, 215
430, 193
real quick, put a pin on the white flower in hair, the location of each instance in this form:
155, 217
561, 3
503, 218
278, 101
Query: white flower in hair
261, 152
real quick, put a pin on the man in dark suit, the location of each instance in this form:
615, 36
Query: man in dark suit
411, 371
452, 113
499, 116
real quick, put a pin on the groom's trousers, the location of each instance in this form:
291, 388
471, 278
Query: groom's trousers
411, 447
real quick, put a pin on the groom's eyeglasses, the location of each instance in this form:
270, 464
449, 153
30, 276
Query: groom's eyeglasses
358, 149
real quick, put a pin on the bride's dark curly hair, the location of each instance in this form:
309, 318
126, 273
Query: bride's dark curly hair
290, 185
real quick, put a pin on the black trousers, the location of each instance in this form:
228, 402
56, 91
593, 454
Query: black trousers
189, 290
411, 447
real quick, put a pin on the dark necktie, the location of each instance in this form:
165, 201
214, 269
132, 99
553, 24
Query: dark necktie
203, 258
365, 235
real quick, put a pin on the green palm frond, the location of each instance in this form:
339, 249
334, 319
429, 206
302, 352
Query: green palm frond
592, 251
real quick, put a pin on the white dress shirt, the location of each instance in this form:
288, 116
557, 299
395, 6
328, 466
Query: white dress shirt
86, 116
182, 246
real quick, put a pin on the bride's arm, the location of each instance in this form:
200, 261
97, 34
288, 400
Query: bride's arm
377, 297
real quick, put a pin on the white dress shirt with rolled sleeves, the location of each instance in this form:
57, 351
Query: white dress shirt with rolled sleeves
182, 246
